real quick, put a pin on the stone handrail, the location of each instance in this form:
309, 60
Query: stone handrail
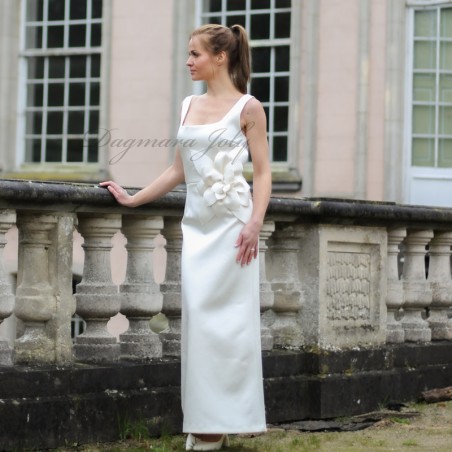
334, 274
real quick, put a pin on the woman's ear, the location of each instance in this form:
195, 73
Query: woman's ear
221, 57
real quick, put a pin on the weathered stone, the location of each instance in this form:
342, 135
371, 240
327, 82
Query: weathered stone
343, 275
141, 298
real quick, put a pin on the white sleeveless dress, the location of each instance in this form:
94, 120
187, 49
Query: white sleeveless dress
222, 386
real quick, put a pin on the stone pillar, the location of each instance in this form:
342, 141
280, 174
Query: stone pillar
7, 220
344, 281
171, 287
140, 295
439, 277
394, 298
96, 296
36, 301
265, 288
417, 291
286, 286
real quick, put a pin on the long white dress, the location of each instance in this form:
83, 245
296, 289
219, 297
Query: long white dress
222, 386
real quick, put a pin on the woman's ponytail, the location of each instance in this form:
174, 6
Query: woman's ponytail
240, 62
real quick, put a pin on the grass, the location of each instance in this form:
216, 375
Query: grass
430, 431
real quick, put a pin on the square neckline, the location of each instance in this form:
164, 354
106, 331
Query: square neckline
209, 123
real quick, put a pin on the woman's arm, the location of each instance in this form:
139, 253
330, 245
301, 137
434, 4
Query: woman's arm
255, 125
169, 179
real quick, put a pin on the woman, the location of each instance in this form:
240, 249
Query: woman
222, 389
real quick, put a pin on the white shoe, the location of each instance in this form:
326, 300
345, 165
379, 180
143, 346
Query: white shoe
194, 443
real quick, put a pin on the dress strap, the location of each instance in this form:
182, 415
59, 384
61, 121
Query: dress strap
238, 107
185, 107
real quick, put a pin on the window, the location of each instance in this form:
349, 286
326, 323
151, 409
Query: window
60, 66
431, 123
268, 25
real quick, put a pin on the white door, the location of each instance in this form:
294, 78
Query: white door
429, 134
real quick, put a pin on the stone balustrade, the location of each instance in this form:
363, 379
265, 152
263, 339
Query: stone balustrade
335, 274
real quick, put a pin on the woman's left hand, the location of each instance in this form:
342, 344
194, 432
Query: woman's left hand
248, 243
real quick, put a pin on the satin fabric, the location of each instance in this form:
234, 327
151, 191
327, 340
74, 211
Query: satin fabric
222, 386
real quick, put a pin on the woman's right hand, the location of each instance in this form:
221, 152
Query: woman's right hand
121, 195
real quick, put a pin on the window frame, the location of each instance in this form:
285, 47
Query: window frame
285, 172
62, 170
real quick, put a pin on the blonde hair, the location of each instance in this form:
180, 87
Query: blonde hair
234, 42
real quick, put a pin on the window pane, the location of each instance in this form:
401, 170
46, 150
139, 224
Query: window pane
280, 149
34, 10
78, 9
33, 38
93, 121
445, 153
77, 34
445, 88
94, 94
425, 23
424, 55
56, 67
75, 150
33, 150
423, 119
445, 120
445, 58
95, 66
93, 151
77, 67
260, 26
76, 122
283, 3
261, 59
281, 89
424, 89
213, 5
35, 95
56, 95
55, 36
55, 122
34, 123
260, 4
236, 5
281, 119
260, 87
54, 150
96, 35
96, 9
56, 10
77, 94
446, 23
282, 25
423, 152
35, 67
282, 58
233, 20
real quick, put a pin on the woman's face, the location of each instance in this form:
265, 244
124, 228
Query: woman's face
200, 61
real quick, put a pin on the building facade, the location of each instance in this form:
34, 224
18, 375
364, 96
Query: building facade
357, 93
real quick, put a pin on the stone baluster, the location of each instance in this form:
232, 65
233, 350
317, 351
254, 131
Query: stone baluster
35, 297
439, 276
171, 287
140, 294
417, 291
7, 220
96, 296
286, 286
265, 288
394, 299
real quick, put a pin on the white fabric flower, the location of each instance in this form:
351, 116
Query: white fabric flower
223, 185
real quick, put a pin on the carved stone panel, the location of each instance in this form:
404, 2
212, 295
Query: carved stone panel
343, 272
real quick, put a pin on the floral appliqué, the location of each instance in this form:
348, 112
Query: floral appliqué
223, 186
